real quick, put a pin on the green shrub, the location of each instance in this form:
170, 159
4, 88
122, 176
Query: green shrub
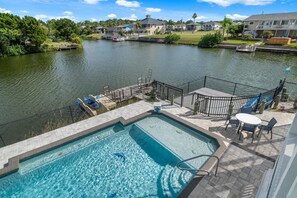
75, 39
248, 37
210, 40
267, 34
172, 38
13, 50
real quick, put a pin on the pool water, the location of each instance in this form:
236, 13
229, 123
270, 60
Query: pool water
119, 161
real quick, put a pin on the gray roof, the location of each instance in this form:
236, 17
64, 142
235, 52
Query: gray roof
150, 21
277, 16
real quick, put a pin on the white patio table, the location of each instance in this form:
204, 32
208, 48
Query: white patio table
246, 118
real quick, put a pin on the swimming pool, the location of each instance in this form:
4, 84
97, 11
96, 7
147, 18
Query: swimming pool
137, 160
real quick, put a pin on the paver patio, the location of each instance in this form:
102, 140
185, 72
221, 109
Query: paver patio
244, 163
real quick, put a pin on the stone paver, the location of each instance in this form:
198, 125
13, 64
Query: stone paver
242, 166
239, 175
263, 144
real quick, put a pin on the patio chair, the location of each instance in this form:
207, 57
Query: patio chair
248, 128
267, 127
235, 121
246, 110
232, 122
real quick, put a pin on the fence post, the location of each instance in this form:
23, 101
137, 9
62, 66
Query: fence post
188, 87
234, 89
258, 102
209, 104
167, 97
204, 84
182, 98
71, 114
2, 140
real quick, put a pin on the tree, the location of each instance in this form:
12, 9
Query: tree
225, 24
64, 28
194, 17
32, 31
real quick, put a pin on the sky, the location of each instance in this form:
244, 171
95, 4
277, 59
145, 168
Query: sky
96, 10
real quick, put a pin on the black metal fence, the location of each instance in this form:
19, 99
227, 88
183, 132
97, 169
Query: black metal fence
37, 124
166, 92
222, 85
40, 123
240, 95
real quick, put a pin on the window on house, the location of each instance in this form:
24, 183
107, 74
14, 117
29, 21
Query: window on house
276, 22
285, 22
246, 26
262, 23
251, 23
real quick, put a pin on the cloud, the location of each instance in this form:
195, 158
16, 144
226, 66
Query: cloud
93, 19
129, 4
132, 17
24, 11
3, 10
236, 16
153, 9
91, 1
112, 15
68, 13
226, 3
47, 17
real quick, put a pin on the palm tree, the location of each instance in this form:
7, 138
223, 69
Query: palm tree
226, 23
138, 25
194, 24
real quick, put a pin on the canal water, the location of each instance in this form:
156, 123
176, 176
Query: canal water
37, 83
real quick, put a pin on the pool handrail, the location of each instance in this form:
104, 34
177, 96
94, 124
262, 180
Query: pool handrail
197, 170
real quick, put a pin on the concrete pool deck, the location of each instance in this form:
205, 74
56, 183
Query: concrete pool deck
242, 165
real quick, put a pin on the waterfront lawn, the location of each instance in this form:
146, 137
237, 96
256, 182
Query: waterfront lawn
94, 36
239, 41
186, 37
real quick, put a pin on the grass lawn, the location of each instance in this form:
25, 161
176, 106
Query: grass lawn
239, 41
292, 45
94, 36
187, 37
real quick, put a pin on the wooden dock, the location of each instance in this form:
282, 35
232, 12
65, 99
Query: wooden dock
246, 48
70, 47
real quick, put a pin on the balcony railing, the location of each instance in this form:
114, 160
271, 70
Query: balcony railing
280, 27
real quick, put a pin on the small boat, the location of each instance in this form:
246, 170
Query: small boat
118, 39
93, 104
246, 48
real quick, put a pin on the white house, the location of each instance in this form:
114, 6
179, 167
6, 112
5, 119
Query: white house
280, 24
212, 25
